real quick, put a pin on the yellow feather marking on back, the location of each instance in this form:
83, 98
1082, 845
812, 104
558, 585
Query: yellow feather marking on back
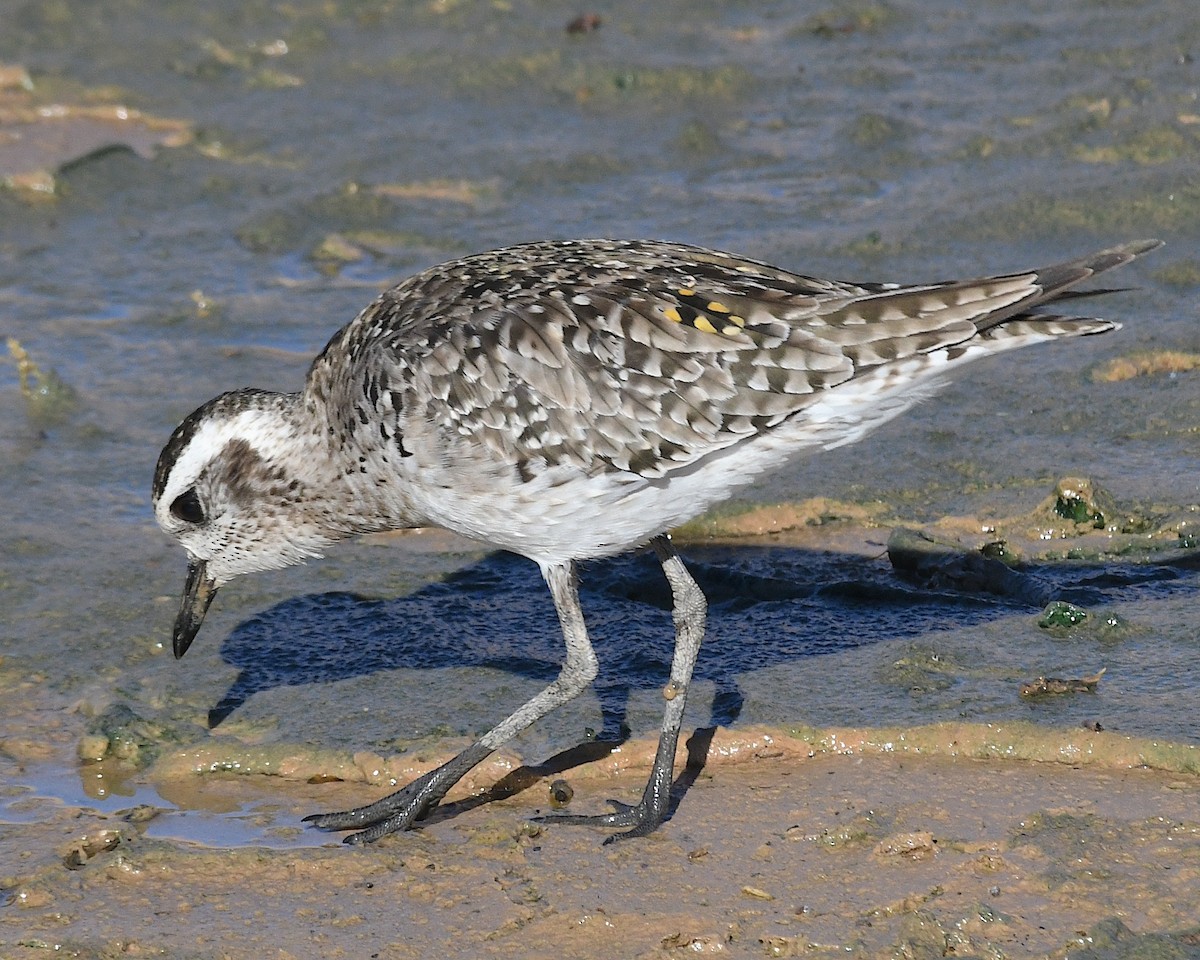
673, 315
717, 307
736, 320
686, 292
730, 330
703, 323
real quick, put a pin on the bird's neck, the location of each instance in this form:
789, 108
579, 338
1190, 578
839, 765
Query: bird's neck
351, 481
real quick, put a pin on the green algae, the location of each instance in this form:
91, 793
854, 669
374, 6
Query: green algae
1061, 617
48, 398
979, 146
922, 937
1147, 147
661, 84
1081, 510
1061, 835
1080, 502
849, 17
872, 246
698, 138
1111, 939
349, 224
1117, 123
579, 168
873, 130
350, 208
294, 761
923, 671
563, 73
335, 249
1181, 273
121, 734
859, 831
1146, 207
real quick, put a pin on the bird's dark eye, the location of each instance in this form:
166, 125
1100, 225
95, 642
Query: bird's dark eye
187, 507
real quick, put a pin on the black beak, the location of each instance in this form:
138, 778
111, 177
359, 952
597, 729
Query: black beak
198, 593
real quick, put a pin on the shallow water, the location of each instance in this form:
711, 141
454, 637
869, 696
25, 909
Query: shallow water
906, 141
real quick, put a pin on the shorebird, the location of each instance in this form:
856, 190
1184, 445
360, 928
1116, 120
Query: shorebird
568, 400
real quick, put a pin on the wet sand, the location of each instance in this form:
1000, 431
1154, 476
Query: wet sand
1010, 838
774, 850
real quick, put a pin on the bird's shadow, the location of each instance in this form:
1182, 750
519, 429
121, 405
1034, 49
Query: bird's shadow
779, 604
769, 606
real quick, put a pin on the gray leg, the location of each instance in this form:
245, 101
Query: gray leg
398, 811
690, 614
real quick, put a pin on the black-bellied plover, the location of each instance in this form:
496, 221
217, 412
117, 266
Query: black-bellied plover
568, 400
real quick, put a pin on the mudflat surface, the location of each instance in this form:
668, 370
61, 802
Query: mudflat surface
277, 165
772, 852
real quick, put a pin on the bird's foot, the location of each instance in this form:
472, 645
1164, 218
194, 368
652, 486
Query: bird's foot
643, 818
392, 814
400, 810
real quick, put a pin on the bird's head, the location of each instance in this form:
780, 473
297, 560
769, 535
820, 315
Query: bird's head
229, 487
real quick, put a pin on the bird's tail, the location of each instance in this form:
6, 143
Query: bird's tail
1057, 284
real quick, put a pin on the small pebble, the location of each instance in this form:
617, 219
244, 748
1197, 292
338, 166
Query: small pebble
757, 893
584, 23
561, 793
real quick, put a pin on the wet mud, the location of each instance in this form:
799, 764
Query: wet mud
777, 853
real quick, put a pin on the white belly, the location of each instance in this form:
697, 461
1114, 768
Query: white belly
563, 514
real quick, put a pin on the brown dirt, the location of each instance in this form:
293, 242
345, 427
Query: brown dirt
773, 855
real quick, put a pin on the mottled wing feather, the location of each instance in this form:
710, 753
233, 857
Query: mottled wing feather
641, 357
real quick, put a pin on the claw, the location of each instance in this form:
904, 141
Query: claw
642, 818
